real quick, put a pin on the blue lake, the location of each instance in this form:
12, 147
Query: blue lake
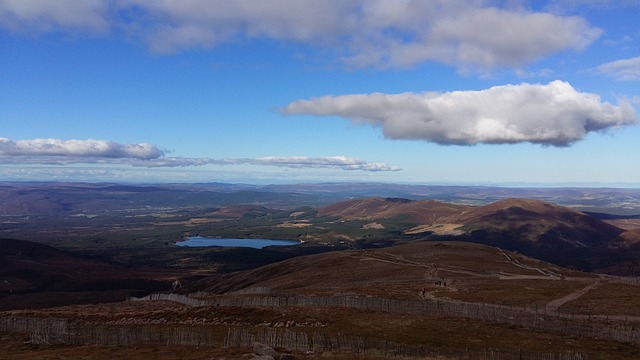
198, 241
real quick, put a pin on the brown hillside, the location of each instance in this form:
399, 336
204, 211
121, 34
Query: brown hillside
416, 211
36, 275
629, 238
396, 285
510, 208
536, 220
442, 269
542, 230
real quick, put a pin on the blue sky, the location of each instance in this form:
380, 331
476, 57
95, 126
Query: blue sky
458, 91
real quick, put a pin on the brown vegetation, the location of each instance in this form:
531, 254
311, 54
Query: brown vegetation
421, 211
372, 302
440, 298
35, 275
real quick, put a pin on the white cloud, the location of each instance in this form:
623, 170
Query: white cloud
336, 162
47, 15
564, 6
378, 33
77, 148
64, 152
469, 37
554, 114
626, 69
330, 162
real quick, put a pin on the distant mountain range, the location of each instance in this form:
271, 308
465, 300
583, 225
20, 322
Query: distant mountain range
48, 197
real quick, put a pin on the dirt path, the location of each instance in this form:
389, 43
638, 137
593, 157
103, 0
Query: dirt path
554, 305
516, 262
433, 269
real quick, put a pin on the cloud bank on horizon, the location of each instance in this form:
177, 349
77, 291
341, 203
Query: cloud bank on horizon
64, 152
371, 33
553, 114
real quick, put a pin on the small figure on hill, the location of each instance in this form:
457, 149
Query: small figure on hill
176, 285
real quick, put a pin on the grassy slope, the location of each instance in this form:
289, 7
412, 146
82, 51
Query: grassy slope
473, 273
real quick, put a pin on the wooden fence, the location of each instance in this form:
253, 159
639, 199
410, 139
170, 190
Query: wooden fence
60, 331
322, 342
529, 318
40, 330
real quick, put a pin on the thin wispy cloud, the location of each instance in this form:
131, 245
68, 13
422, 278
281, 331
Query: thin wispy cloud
360, 33
338, 162
554, 114
65, 152
77, 149
625, 69
297, 162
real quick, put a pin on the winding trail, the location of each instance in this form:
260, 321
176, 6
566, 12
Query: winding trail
554, 305
432, 272
516, 262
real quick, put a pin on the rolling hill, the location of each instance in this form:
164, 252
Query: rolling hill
457, 270
416, 211
538, 221
536, 228
426, 299
480, 263
34, 275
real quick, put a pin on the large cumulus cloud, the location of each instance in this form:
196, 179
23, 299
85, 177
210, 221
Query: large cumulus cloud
553, 114
64, 152
380, 33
